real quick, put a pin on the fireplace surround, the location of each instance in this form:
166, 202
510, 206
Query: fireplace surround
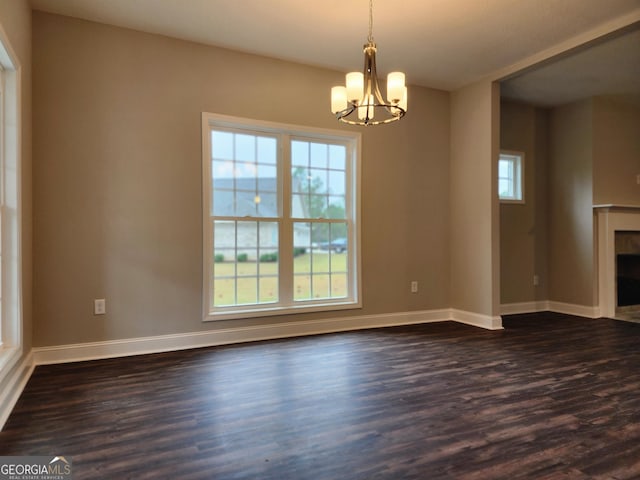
624, 219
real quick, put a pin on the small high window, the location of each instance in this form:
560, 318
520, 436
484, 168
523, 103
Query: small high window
511, 177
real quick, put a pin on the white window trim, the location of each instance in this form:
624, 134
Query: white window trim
520, 201
295, 131
11, 306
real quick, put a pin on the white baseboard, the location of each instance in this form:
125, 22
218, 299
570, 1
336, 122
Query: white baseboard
476, 319
182, 341
524, 307
13, 386
165, 343
578, 310
550, 306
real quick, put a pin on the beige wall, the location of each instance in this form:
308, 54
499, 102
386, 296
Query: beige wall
571, 237
523, 227
15, 18
117, 179
474, 204
616, 151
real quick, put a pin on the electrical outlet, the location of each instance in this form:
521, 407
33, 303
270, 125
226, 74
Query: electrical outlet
638, 179
536, 280
99, 306
414, 286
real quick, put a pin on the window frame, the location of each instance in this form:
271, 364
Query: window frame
2, 190
11, 320
518, 182
286, 133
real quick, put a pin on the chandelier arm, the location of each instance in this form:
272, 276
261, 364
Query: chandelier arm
393, 118
370, 81
346, 112
373, 73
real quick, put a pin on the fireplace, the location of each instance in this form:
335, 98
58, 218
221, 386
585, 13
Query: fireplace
618, 247
627, 268
628, 279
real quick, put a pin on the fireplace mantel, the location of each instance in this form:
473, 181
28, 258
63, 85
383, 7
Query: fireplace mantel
609, 219
617, 207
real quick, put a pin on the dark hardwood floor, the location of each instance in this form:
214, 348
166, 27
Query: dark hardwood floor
550, 397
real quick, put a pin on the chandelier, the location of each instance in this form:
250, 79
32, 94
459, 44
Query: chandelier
360, 101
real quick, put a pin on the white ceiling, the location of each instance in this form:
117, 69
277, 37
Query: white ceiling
438, 43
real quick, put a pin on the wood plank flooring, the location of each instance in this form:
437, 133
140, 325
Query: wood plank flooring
550, 397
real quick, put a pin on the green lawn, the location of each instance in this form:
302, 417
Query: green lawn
257, 282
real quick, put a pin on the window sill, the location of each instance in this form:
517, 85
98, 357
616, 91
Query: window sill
248, 313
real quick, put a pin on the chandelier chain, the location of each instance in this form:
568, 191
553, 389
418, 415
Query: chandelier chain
370, 38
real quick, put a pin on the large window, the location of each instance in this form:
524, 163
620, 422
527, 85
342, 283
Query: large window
280, 218
511, 177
